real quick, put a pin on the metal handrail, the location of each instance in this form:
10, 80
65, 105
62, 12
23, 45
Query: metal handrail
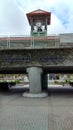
21, 42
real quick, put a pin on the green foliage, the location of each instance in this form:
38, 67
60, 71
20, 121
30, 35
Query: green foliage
17, 81
68, 81
4, 81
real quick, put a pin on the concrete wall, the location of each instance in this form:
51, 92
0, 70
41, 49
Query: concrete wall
66, 38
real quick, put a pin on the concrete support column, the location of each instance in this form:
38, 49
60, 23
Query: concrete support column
35, 83
34, 74
44, 81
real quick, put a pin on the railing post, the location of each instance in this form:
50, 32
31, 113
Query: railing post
56, 42
8, 42
32, 41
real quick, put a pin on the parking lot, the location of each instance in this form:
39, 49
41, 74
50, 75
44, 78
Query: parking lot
54, 112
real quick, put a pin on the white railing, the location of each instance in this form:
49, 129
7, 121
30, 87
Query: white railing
21, 42
27, 42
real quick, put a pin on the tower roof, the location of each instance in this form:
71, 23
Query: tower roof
39, 13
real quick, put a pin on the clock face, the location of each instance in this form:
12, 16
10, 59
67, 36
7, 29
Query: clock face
38, 24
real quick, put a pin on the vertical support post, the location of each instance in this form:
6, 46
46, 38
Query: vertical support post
31, 21
46, 26
9, 42
44, 80
32, 41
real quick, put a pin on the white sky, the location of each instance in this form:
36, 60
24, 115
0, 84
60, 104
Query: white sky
13, 20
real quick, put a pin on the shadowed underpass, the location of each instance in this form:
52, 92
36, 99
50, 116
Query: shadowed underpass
20, 89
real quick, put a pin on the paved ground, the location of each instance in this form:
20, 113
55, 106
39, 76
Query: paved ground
52, 113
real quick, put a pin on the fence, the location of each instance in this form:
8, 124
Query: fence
21, 42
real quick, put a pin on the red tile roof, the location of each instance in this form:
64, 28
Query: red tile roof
41, 13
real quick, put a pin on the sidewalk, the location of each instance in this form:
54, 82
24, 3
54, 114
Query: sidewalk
52, 113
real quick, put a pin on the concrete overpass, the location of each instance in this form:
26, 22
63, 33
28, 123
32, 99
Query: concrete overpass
36, 56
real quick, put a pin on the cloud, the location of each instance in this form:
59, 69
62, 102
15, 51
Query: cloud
56, 26
13, 20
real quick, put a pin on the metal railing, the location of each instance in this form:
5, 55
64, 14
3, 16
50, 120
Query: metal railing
21, 42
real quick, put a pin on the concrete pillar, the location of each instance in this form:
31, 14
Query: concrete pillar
44, 82
34, 74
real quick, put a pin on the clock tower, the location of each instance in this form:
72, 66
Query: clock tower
39, 20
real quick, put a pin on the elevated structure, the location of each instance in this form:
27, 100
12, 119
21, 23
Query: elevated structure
38, 53
38, 20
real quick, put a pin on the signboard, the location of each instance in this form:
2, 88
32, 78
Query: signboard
42, 57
